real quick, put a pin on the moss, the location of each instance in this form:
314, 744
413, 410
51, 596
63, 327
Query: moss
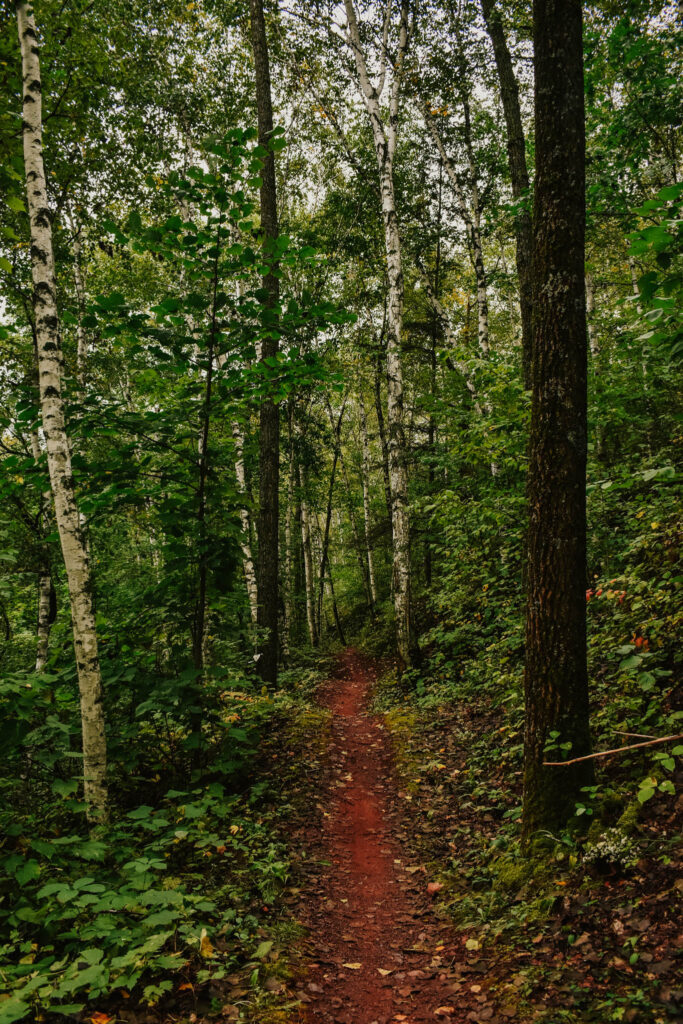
509, 873
628, 822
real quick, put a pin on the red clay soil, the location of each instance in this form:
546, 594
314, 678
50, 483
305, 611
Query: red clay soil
381, 953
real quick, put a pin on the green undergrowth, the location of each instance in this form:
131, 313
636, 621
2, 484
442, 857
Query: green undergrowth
178, 897
580, 927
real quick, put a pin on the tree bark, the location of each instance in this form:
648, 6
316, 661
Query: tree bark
385, 136
328, 513
309, 580
47, 597
269, 424
49, 355
519, 175
556, 678
366, 500
245, 519
382, 433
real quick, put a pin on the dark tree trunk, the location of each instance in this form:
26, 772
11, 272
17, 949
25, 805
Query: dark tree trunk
556, 680
269, 423
519, 175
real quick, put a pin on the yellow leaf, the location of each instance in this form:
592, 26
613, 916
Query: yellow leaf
353, 967
205, 947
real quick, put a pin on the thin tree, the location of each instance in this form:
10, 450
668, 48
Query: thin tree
49, 358
385, 134
269, 422
556, 678
519, 175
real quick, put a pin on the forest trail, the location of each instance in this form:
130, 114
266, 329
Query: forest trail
381, 954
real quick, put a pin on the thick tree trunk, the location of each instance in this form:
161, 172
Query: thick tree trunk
269, 426
519, 175
366, 501
385, 137
52, 409
556, 680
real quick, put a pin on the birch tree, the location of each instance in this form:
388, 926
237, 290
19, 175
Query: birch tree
385, 134
49, 356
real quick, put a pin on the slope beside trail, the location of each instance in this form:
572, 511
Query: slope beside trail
380, 953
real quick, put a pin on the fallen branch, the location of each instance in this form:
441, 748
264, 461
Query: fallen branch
617, 750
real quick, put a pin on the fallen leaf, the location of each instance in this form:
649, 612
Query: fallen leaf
434, 887
353, 967
101, 1018
444, 1011
205, 947
384, 972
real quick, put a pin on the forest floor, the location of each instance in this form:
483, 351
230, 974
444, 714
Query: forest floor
380, 952
406, 899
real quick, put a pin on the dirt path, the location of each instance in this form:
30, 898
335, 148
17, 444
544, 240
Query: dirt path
381, 954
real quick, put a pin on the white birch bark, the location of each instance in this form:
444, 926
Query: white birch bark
590, 314
385, 136
52, 409
245, 519
365, 464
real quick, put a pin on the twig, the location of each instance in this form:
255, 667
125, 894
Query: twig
639, 735
606, 753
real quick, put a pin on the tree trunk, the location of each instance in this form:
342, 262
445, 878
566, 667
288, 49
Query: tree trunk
381, 430
556, 679
590, 314
49, 354
306, 544
385, 137
328, 513
245, 518
472, 219
269, 425
366, 501
47, 598
519, 175
289, 544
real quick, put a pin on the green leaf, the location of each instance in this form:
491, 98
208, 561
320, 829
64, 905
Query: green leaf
29, 871
263, 950
5, 265
16, 204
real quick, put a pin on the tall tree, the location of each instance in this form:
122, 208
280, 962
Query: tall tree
556, 678
269, 423
519, 175
49, 355
385, 134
